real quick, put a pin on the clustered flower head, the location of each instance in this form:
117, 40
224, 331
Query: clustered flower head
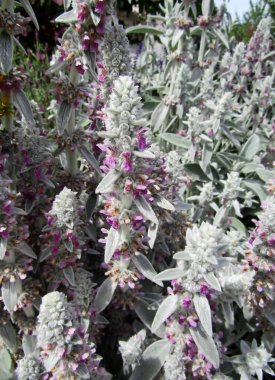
64, 208
28, 368
116, 53
131, 350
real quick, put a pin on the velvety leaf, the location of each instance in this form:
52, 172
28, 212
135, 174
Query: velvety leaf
206, 7
144, 29
152, 234
67, 17
63, 116
256, 187
164, 203
212, 280
23, 106
67, 4
222, 37
204, 313
24, 248
158, 116
174, 139
221, 216
3, 247
28, 8
170, 274
146, 210
56, 67
165, 310
90, 158
8, 336
146, 268
251, 147
29, 344
195, 171
6, 51
111, 244
206, 345
152, 360
91, 205
181, 255
6, 369
10, 294
96, 18
264, 174
104, 294
144, 154
18, 44
107, 182
69, 275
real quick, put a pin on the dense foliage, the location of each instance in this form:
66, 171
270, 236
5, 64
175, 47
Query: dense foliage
137, 233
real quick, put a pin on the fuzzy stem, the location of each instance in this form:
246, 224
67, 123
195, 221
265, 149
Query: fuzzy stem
72, 155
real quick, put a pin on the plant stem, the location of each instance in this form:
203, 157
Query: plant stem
72, 155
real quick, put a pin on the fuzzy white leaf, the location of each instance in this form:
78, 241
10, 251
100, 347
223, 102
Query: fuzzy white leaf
23, 106
104, 294
69, 275
159, 115
152, 360
67, 17
26, 250
29, 344
250, 148
63, 116
206, 346
3, 247
10, 294
212, 280
204, 312
174, 139
6, 52
146, 210
107, 182
152, 234
164, 203
169, 274
144, 154
165, 310
111, 244
146, 268
90, 158
28, 8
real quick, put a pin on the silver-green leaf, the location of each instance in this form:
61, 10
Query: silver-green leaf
165, 310
106, 184
204, 312
152, 360
104, 294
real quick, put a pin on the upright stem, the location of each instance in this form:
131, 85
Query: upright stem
7, 97
72, 155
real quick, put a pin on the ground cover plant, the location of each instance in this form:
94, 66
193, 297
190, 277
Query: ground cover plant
137, 233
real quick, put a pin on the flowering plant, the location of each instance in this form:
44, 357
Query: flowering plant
137, 213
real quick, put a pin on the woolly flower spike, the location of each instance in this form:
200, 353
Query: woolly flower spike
64, 208
235, 282
174, 367
131, 350
122, 116
53, 320
204, 245
28, 368
253, 361
116, 53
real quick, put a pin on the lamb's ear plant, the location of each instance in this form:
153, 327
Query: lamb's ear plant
142, 226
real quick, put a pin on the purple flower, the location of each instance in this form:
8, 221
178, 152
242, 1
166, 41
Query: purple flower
186, 302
